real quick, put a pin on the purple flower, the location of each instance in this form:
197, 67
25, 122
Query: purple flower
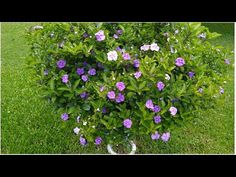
85, 63
65, 78
45, 72
120, 86
111, 95
100, 35
227, 61
149, 104
191, 74
64, 116
98, 140
85, 35
120, 98
61, 63
156, 108
174, 100
173, 110
84, 78
136, 63
115, 36
179, 62
83, 95
118, 49
102, 88
160, 85
104, 110
92, 72
157, 119
99, 65
82, 141
126, 56
165, 136
119, 32
155, 136
127, 123
200, 90
137, 74
80, 71
222, 90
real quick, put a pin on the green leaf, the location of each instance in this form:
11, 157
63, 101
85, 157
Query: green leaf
79, 91
52, 84
130, 94
63, 88
86, 107
76, 84
105, 123
69, 95
90, 48
121, 27
142, 85
131, 88
71, 110
99, 25
153, 68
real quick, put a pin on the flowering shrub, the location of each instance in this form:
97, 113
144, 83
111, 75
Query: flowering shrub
117, 81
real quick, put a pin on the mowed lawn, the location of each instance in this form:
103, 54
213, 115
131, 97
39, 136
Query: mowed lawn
29, 124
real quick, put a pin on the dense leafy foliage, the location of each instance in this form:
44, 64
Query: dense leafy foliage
116, 81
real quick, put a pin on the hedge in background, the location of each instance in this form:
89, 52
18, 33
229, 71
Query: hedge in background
117, 81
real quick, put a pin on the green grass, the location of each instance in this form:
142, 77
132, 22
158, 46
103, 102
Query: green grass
29, 125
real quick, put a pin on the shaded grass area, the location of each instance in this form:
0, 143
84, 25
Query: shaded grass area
29, 124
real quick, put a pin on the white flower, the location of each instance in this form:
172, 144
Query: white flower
123, 51
145, 47
173, 110
98, 109
93, 126
176, 31
76, 130
37, 27
154, 47
202, 35
112, 55
172, 50
85, 123
167, 77
78, 119
113, 78
166, 34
